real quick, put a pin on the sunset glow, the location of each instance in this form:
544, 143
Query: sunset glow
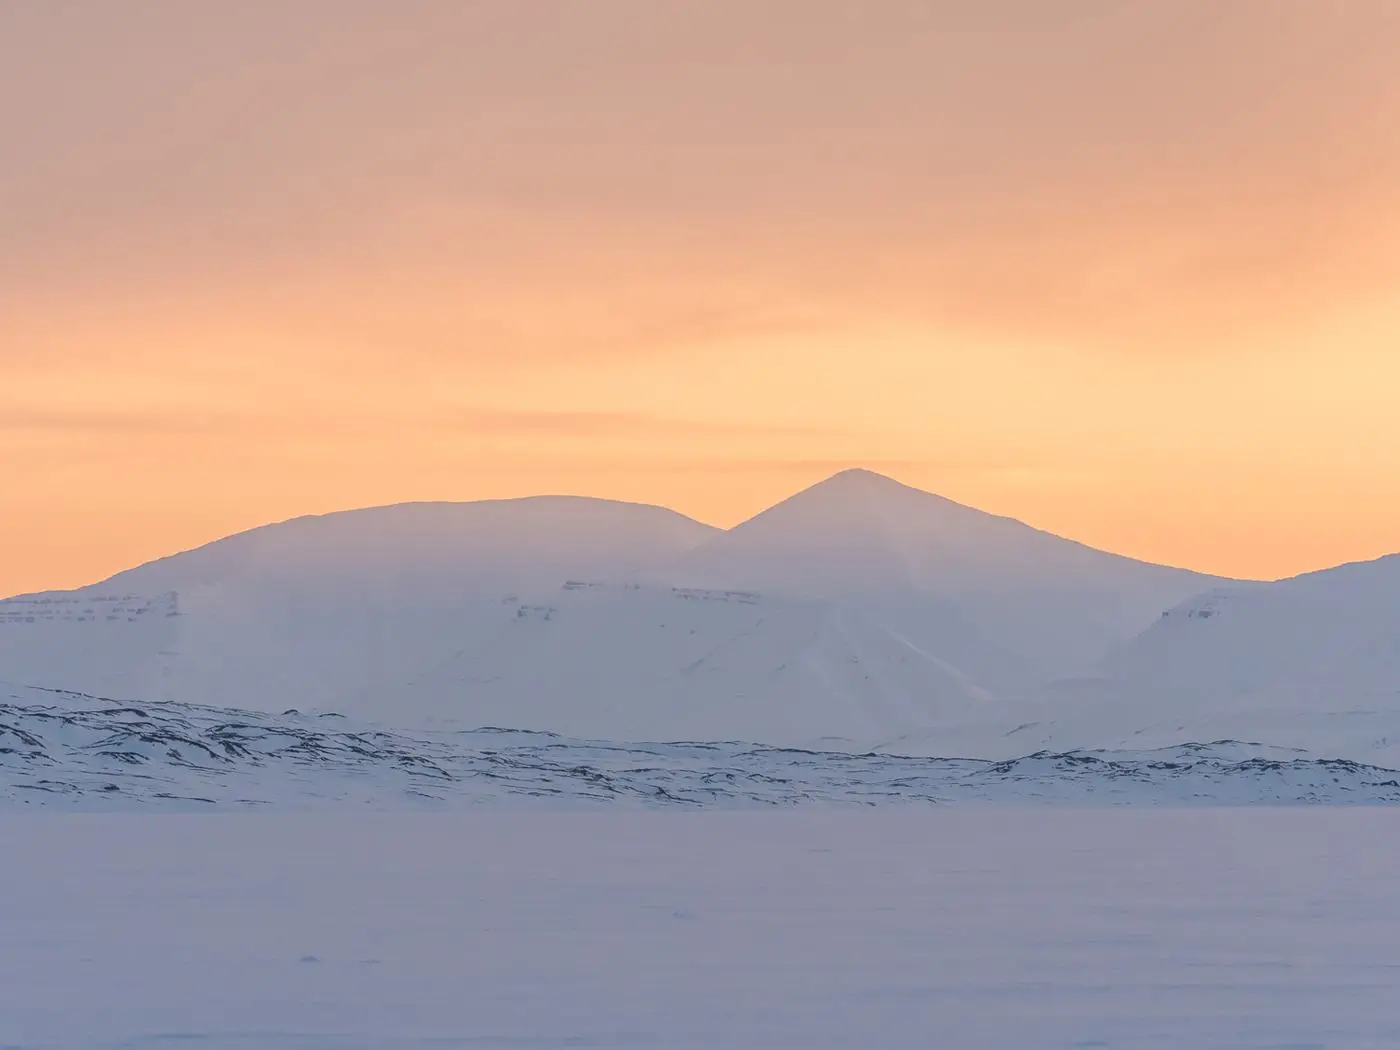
268, 259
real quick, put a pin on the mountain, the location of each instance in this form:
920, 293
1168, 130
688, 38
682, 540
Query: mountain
305, 612
1009, 605
1312, 661
538, 537
856, 613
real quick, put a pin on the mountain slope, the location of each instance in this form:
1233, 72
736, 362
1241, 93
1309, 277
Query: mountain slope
537, 537
637, 662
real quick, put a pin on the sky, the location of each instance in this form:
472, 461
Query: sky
1127, 271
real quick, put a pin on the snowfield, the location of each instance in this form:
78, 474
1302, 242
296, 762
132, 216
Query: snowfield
973, 928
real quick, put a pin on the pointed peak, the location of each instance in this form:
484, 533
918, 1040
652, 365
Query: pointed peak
862, 475
863, 507
859, 472
855, 530
860, 487
852, 476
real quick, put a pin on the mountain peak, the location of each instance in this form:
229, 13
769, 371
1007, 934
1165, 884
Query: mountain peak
859, 529
859, 487
857, 526
856, 474
861, 500
862, 479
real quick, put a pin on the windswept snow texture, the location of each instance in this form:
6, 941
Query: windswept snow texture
970, 929
73, 752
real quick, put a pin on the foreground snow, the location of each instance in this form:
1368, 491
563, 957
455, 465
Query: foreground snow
974, 928
66, 750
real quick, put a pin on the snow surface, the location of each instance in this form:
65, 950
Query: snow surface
65, 751
649, 662
970, 928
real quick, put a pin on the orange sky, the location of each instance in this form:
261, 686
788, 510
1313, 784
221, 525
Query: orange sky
1130, 272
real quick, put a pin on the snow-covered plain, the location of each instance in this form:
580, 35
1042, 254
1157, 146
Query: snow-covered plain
964, 927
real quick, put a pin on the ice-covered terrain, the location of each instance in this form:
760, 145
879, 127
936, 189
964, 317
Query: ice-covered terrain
68, 751
973, 928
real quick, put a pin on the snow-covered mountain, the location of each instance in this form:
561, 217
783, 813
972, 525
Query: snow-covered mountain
856, 612
859, 614
1006, 604
1312, 661
308, 612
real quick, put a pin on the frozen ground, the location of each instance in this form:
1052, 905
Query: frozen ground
958, 927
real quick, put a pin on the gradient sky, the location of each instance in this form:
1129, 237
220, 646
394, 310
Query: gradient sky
1127, 271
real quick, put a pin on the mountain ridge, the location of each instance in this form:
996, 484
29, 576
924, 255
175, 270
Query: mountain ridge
849, 480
